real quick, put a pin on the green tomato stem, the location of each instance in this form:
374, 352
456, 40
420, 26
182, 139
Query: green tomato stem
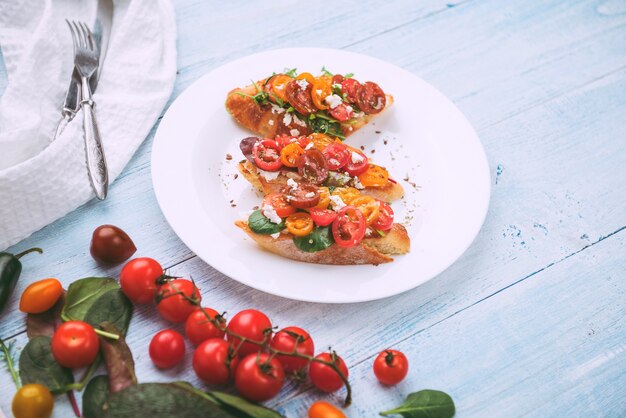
9, 360
107, 334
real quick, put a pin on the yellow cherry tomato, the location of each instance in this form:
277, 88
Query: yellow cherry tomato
369, 207
290, 154
32, 401
306, 76
375, 176
277, 87
347, 194
40, 296
299, 224
324, 197
320, 141
321, 409
322, 88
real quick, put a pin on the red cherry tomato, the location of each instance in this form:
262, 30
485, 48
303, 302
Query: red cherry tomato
280, 204
138, 279
342, 113
349, 227
391, 367
322, 217
167, 349
214, 361
350, 87
172, 305
385, 218
337, 155
266, 155
324, 377
285, 340
358, 164
111, 245
251, 324
198, 328
75, 344
258, 378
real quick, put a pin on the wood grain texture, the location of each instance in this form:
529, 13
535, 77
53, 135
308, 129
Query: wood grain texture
530, 321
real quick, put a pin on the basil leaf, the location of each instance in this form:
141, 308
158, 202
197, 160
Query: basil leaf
261, 225
95, 395
425, 404
319, 239
83, 293
112, 306
37, 365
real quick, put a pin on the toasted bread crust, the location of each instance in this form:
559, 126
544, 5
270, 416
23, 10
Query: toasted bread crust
369, 251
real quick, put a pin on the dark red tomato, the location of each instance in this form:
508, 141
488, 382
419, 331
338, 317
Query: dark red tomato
342, 112
299, 96
111, 245
280, 204
251, 324
167, 349
290, 339
138, 279
337, 155
323, 376
337, 79
259, 378
75, 344
214, 362
358, 164
246, 146
349, 227
391, 367
385, 218
350, 87
172, 305
322, 217
371, 98
266, 155
312, 166
198, 328
302, 197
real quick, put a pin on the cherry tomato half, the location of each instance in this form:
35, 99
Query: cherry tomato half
324, 197
342, 112
290, 153
299, 224
371, 99
299, 96
337, 155
391, 367
322, 217
75, 344
40, 296
266, 155
251, 324
280, 204
321, 409
276, 86
349, 227
322, 88
374, 176
172, 305
369, 207
167, 349
320, 141
385, 218
350, 87
198, 328
303, 196
290, 339
32, 401
214, 361
111, 245
312, 166
358, 163
259, 378
323, 376
347, 194
138, 279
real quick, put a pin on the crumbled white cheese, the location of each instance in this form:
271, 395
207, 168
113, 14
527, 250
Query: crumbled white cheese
297, 121
270, 122
294, 132
309, 146
333, 161
270, 213
357, 158
302, 83
359, 114
379, 103
292, 184
350, 109
336, 202
333, 101
309, 195
319, 92
357, 183
287, 119
279, 87
277, 109
275, 235
269, 175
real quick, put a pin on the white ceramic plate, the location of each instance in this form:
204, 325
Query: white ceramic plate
423, 139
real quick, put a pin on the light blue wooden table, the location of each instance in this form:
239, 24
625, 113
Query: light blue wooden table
531, 320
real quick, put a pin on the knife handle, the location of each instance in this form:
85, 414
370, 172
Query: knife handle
96, 162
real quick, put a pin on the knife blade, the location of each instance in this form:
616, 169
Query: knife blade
101, 33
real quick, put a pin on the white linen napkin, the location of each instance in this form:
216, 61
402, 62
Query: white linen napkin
40, 180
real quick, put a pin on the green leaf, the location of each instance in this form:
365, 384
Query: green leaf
325, 125
95, 396
239, 406
261, 225
37, 365
112, 306
319, 239
83, 293
324, 71
337, 179
425, 404
118, 359
293, 72
349, 75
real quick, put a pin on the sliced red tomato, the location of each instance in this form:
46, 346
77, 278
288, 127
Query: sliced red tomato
350, 87
371, 99
284, 140
337, 155
358, 163
342, 112
280, 204
267, 155
322, 217
312, 166
338, 79
302, 197
349, 227
385, 218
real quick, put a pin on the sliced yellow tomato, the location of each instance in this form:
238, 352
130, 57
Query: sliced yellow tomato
290, 153
322, 88
347, 194
320, 141
299, 224
277, 87
375, 176
369, 207
324, 197
306, 76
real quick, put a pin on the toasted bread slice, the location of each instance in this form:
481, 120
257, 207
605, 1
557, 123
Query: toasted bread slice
269, 120
392, 191
368, 251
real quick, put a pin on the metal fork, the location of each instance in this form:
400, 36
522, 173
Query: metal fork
86, 62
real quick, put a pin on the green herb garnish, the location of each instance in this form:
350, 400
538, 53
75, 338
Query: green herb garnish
261, 225
326, 72
291, 72
319, 239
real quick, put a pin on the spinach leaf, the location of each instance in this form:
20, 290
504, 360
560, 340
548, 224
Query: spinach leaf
83, 293
47, 322
425, 404
261, 225
319, 239
95, 396
118, 359
112, 306
240, 406
318, 122
37, 365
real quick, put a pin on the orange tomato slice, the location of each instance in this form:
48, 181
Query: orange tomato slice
375, 176
322, 88
324, 197
306, 76
347, 194
299, 224
277, 87
320, 141
290, 153
369, 207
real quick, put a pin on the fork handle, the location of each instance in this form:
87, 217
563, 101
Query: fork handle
96, 162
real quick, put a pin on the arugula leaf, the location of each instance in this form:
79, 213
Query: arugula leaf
261, 225
425, 404
323, 124
324, 71
293, 72
349, 75
319, 239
